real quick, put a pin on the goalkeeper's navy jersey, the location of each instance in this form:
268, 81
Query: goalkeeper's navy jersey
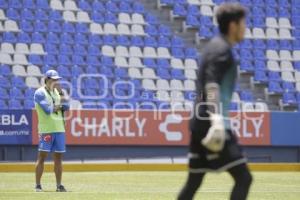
217, 66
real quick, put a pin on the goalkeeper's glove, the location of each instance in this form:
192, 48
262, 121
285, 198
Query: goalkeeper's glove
215, 138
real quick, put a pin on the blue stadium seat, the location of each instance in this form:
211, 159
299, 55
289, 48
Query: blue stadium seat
260, 76
177, 74
179, 10
80, 38
94, 50
296, 44
246, 44
68, 27
99, 6
64, 71
52, 38
91, 60
151, 30
289, 98
297, 65
193, 10
285, 45
164, 41
165, 30
288, 86
191, 53
11, 38
111, 18
35, 59
177, 42
259, 54
95, 39
3, 94
151, 19
138, 8
109, 40
246, 65
274, 87
54, 15
271, 12
50, 60
163, 73
246, 96
107, 72
111, 7
272, 44
149, 62
274, 76
150, 41
125, 7
123, 40
3, 4
234, 106
66, 38
29, 93
13, 14
41, 14
137, 41
80, 50
163, 63
65, 49
43, 4
27, 14
259, 44
260, 65
246, 54
178, 52
192, 20
15, 4
205, 32
84, 5
15, 93
91, 70
54, 26
40, 26
5, 70
28, 104
38, 37
79, 60
81, 28
18, 82
121, 72
15, 104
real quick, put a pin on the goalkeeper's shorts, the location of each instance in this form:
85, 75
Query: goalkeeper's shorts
52, 142
202, 160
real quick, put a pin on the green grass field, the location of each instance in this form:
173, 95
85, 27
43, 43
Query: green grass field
145, 185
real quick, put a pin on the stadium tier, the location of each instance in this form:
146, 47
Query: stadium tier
120, 40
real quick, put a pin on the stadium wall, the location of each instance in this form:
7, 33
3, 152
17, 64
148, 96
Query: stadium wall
267, 137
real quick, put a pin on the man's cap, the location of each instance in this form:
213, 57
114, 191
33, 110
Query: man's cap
52, 74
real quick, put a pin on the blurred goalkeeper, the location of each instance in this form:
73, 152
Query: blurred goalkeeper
213, 146
50, 104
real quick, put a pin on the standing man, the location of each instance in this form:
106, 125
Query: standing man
50, 104
213, 145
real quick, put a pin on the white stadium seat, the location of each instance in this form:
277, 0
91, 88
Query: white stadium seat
287, 76
206, 10
121, 62
258, 33
83, 17
150, 52
176, 85
69, 16
33, 70
135, 62
272, 55
20, 59
36, 48
190, 63
122, 51
271, 22
32, 82
7, 48
19, 70
163, 52
22, 48
138, 19
10, 25
190, 74
137, 29
135, 52
296, 55
123, 29
162, 84
135, 73
189, 85
2, 15
163, 95
56, 5
108, 51
271, 33
5, 58
286, 66
273, 65
285, 34
236, 97
297, 76
110, 29
176, 96
124, 18
284, 23
148, 84
177, 63
96, 28
248, 34
285, 55
70, 5
149, 73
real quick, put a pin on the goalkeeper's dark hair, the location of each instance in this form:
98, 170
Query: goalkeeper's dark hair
227, 13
